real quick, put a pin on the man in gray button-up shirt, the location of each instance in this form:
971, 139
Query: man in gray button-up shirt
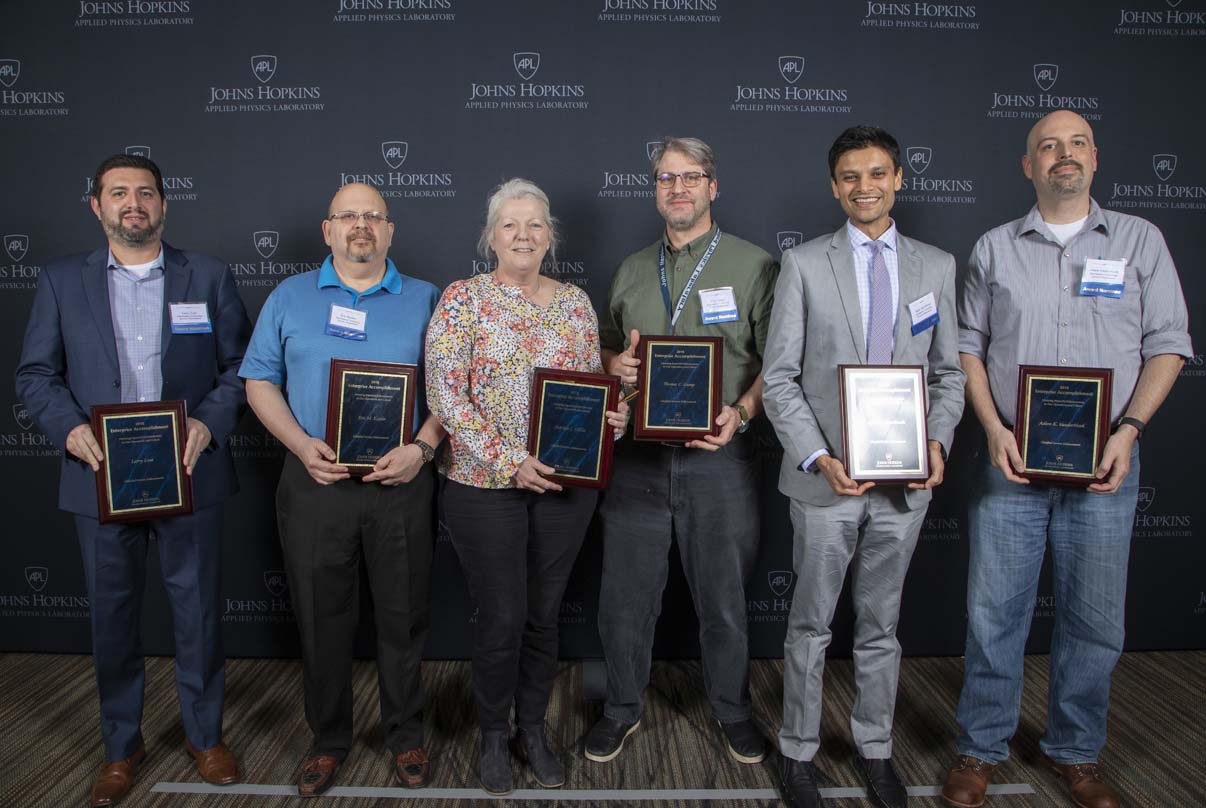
1021, 301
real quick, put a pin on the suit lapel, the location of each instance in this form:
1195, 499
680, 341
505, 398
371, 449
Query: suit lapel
841, 261
96, 290
175, 287
908, 272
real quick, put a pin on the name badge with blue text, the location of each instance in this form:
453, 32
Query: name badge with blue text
190, 318
718, 305
347, 323
923, 312
1103, 277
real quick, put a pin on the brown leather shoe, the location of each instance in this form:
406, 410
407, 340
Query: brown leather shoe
115, 779
411, 768
967, 782
317, 775
215, 765
1088, 789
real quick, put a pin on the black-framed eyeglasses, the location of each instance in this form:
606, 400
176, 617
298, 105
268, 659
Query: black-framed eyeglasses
691, 179
351, 217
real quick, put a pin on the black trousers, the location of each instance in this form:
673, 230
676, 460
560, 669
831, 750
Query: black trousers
517, 549
325, 531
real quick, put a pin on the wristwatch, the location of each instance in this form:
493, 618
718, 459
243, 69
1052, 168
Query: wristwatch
745, 417
425, 448
1135, 422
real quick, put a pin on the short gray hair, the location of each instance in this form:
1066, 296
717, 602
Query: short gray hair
692, 147
516, 188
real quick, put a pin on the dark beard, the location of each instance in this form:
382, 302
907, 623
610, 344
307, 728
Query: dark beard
133, 238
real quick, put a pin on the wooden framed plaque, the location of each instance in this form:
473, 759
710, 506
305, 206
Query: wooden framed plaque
1063, 422
884, 433
568, 427
680, 384
370, 411
142, 474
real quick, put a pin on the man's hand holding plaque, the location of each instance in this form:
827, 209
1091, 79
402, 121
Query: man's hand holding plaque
884, 431
370, 414
139, 453
680, 383
1063, 425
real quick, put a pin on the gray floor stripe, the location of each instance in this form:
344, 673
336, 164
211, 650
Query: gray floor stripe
631, 795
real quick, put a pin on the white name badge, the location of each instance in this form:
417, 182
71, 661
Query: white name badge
718, 305
190, 318
1103, 277
347, 323
923, 312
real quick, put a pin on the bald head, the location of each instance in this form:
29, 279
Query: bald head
358, 243
1060, 161
359, 197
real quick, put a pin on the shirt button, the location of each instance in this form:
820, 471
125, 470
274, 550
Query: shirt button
1063, 361
1065, 288
140, 337
1061, 325
142, 398
1067, 255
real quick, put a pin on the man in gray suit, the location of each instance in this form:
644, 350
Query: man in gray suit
862, 295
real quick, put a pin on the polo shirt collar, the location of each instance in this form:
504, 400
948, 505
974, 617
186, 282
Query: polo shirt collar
695, 246
390, 282
1033, 223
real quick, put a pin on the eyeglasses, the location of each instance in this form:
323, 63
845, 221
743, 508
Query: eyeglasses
351, 217
691, 179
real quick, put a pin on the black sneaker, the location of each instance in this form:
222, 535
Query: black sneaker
883, 786
745, 742
798, 783
606, 738
546, 768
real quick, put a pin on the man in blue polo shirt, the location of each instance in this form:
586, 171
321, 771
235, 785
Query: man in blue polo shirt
356, 306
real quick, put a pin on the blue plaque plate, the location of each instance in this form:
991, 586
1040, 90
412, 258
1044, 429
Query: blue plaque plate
568, 428
680, 388
883, 423
370, 408
142, 475
1063, 422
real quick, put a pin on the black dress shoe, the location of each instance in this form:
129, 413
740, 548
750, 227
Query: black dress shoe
494, 763
546, 768
883, 786
606, 738
744, 741
798, 783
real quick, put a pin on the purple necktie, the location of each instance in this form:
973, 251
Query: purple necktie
879, 330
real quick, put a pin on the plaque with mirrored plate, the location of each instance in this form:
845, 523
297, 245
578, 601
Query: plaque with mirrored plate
370, 411
1063, 422
679, 380
884, 433
142, 475
568, 427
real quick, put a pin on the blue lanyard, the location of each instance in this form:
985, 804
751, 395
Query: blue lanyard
682, 299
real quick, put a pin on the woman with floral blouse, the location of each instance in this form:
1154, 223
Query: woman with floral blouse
516, 532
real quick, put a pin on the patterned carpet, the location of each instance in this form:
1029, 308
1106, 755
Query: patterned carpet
50, 745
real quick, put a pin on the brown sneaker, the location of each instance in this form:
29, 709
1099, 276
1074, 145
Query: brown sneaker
317, 775
115, 779
411, 768
215, 765
967, 782
1088, 789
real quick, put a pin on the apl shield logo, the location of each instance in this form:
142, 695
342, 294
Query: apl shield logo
37, 577
1174, 3
263, 67
786, 239
394, 152
1147, 495
275, 582
526, 64
918, 158
139, 151
780, 581
1163, 164
1045, 76
16, 246
791, 68
266, 242
9, 70
22, 417
651, 147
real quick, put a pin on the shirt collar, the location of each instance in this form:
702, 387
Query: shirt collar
156, 264
1033, 223
390, 282
858, 238
695, 246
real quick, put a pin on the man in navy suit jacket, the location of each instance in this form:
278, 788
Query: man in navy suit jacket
104, 329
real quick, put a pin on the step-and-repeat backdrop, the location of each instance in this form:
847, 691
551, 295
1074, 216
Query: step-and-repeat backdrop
258, 112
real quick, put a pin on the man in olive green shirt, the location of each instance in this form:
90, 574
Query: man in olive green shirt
702, 494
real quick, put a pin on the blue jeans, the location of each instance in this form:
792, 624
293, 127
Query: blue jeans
1010, 526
